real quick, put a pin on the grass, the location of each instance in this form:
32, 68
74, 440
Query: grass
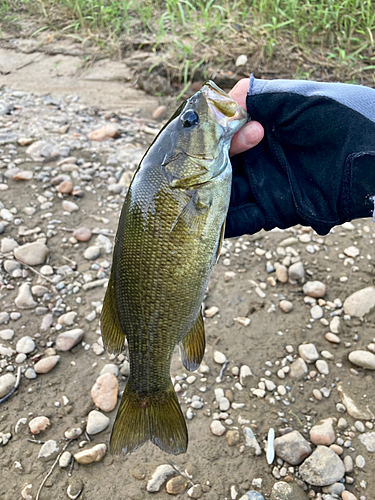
187, 36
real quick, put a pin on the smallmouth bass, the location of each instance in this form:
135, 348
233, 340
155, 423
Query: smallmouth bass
168, 238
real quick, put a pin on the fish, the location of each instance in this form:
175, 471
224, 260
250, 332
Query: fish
168, 238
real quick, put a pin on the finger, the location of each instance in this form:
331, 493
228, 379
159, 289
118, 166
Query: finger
249, 136
239, 92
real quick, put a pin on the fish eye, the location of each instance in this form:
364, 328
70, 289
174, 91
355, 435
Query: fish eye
190, 118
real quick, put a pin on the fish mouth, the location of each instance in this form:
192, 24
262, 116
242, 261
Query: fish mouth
222, 106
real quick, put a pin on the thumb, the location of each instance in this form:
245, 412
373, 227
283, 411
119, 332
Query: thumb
246, 138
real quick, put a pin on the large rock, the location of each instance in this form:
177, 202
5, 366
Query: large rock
364, 359
287, 491
322, 468
292, 447
33, 254
323, 433
361, 302
104, 392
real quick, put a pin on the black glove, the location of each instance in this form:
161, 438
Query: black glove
316, 163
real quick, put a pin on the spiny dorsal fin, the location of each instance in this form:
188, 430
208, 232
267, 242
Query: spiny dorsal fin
112, 334
193, 344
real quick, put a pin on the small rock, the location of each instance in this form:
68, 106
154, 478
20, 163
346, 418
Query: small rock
297, 272
92, 253
352, 251
308, 352
232, 437
348, 464
109, 368
195, 491
241, 60
287, 491
217, 428
211, 311
282, 273
7, 382
322, 468
103, 133
352, 408
360, 303
292, 447
67, 340
96, 422
70, 206
323, 433
334, 325
159, 477
219, 357
33, 254
286, 306
104, 392
94, 454
298, 369
25, 345
8, 245
315, 289
65, 459
6, 334
368, 439
82, 234
65, 187
30, 373
39, 424
158, 114
331, 337
45, 365
176, 485
49, 451
364, 359
322, 366
251, 441
245, 372
316, 312
360, 462
252, 495
346, 495
24, 299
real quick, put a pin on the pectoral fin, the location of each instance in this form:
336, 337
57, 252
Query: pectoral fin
112, 334
192, 217
221, 239
193, 344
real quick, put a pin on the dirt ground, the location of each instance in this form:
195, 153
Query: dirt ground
210, 461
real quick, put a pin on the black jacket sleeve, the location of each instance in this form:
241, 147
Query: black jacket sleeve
316, 163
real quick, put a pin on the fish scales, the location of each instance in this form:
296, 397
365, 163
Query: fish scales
167, 242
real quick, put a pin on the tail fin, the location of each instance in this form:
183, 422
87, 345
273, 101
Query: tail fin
157, 418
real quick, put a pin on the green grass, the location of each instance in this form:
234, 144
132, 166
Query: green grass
187, 34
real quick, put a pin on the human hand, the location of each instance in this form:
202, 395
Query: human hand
251, 133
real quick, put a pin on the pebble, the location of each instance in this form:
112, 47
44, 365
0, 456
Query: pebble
33, 254
65, 459
322, 468
364, 359
90, 455
334, 325
92, 253
360, 302
8, 245
282, 273
159, 112
66, 187
176, 486
6, 334
103, 133
251, 441
45, 365
298, 369
348, 464
331, 337
352, 408
211, 311
25, 345
67, 340
346, 495
315, 289
159, 477
4, 318
322, 366
30, 374
308, 352
48, 451
82, 234
39, 424
316, 312
7, 382
292, 447
195, 491
24, 299
96, 422
297, 272
104, 392
252, 495
233, 437
323, 433
285, 306
109, 368
70, 206
217, 428
241, 60
287, 491
219, 357
352, 251
368, 439
360, 462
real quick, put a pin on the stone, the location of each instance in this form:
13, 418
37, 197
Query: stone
96, 422
322, 468
6, 351
40, 150
352, 251
23, 175
108, 131
30, 374
323, 433
4, 318
308, 352
66, 187
94, 454
109, 368
92, 253
360, 462
322, 366
287, 491
67, 318
211, 311
233, 437
159, 112
331, 337
282, 273
33, 254
25, 345
104, 392
252, 495
67, 340
24, 299
368, 440
251, 441
348, 464
245, 373
159, 477
298, 369
285, 306
360, 302
176, 486
195, 491
65, 459
219, 357
8, 245
48, 451
352, 407
364, 359
7, 382
217, 428
316, 312
347, 495
7, 334
315, 289
334, 325
104, 243
70, 206
292, 447
45, 365
334, 489
39, 424
296, 271
82, 234
241, 60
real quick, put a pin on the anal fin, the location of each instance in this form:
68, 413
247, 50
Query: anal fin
112, 334
193, 344
221, 239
